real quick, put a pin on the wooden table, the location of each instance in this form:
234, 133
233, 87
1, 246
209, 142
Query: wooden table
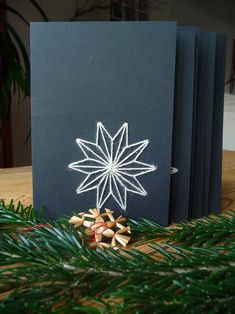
16, 183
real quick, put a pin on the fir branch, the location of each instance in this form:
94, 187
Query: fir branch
51, 269
206, 232
12, 216
144, 230
132, 280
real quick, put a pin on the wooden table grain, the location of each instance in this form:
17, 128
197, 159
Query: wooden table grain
228, 181
16, 183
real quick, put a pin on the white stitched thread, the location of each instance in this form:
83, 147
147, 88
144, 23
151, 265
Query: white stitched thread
173, 170
111, 170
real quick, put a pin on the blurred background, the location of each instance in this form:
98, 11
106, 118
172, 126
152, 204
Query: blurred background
15, 141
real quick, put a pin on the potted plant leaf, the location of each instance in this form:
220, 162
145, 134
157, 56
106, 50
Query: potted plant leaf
14, 68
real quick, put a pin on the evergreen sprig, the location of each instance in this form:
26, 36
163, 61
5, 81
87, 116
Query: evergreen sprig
13, 216
52, 269
200, 232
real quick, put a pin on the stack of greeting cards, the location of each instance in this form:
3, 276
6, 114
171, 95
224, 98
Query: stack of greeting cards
127, 116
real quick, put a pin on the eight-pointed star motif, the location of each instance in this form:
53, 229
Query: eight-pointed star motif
111, 166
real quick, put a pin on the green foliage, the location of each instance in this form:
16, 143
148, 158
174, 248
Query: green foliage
52, 270
212, 230
14, 60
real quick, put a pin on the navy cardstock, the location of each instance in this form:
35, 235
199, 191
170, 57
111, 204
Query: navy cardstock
109, 72
217, 128
203, 119
209, 86
183, 123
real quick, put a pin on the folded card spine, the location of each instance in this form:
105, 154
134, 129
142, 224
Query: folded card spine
206, 64
209, 108
183, 123
217, 130
194, 124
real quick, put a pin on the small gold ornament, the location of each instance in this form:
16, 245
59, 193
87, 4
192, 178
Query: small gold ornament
102, 229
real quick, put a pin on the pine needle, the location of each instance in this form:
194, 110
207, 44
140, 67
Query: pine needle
52, 269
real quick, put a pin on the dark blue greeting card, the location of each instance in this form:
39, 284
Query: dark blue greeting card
183, 122
203, 124
102, 116
217, 126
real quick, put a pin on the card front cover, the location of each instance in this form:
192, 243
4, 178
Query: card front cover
102, 114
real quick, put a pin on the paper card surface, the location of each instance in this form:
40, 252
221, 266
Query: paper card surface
203, 121
183, 123
102, 115
209, 86
217, 130
194, 126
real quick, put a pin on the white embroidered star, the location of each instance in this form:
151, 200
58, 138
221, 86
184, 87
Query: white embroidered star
111, 166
